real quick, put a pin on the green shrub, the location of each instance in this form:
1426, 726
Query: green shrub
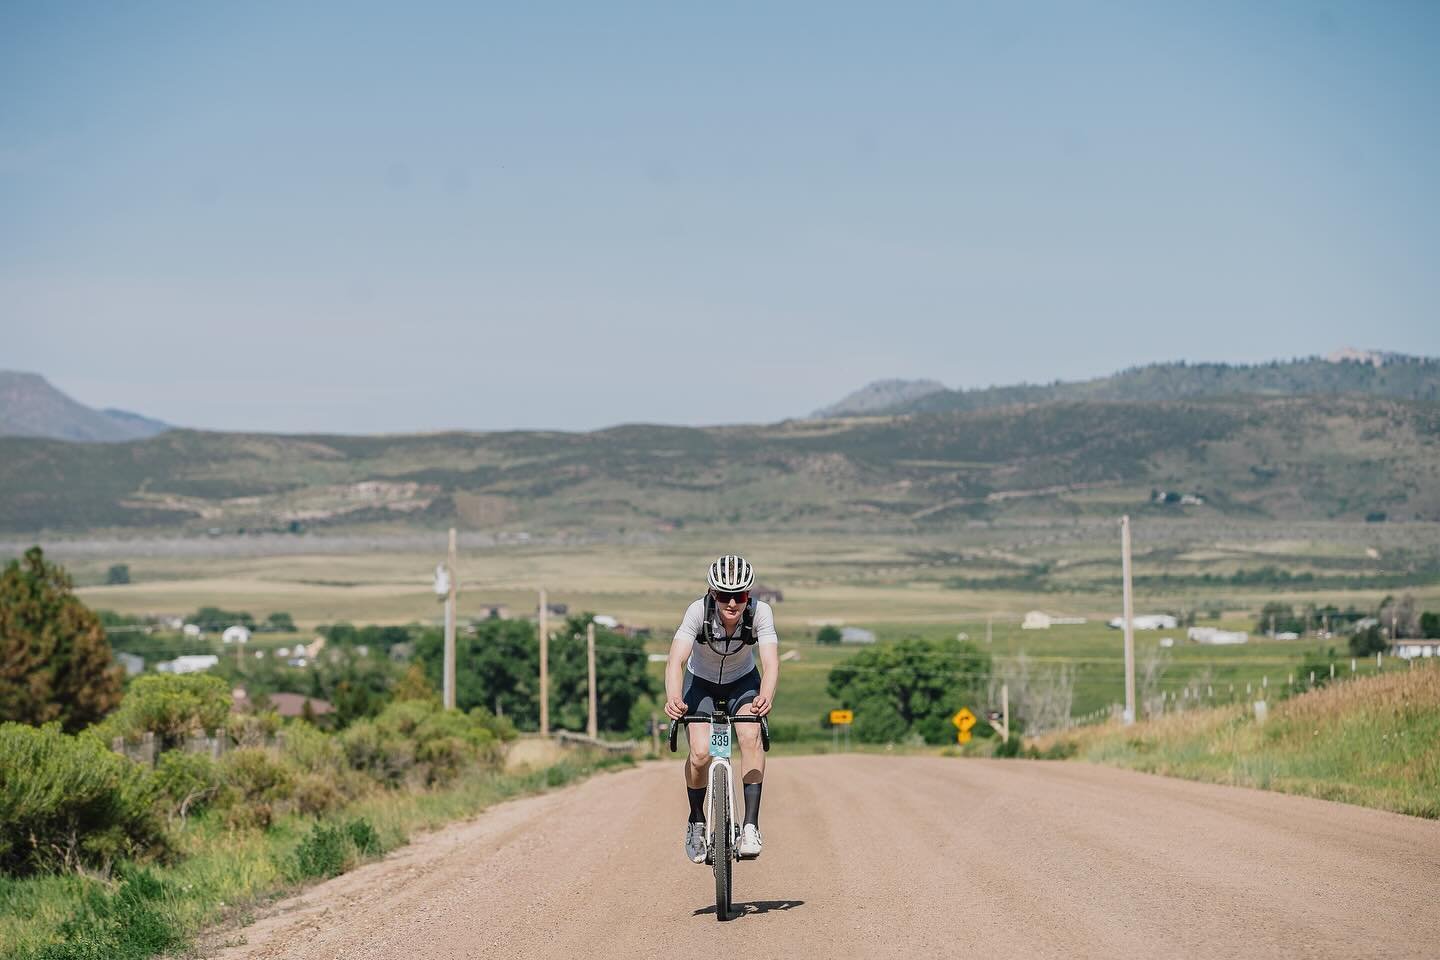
329, 850
502, 727
314, 794
444, 742
252, 729
258, 783
363, 836
170, 706
125, 922
189, 782
311, 750
67, 801
384, 756
324, 852
1012, 747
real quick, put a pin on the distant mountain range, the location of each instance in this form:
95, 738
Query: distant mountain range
1347, 371
31, 407
1356, 437
1247, 458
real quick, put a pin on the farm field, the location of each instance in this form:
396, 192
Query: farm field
895, 586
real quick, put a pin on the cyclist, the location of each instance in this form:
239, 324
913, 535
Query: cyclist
713, 657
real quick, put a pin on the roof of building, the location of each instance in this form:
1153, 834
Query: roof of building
293, 705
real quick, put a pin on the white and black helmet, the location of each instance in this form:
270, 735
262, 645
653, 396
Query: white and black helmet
731, 574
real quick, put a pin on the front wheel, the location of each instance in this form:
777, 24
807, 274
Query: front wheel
723, 838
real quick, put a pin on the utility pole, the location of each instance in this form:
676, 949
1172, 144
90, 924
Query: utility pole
1129, 621
450, 629
1005, 710
593, 727
544, 667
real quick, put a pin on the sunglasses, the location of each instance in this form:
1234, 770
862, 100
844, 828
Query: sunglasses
720, 596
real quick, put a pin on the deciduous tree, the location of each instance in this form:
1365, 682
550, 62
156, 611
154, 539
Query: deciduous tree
921, 684
620, 677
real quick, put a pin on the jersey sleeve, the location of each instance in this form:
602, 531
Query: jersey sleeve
689, 627
765, 624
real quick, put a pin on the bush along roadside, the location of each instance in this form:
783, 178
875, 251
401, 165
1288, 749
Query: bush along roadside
101, 856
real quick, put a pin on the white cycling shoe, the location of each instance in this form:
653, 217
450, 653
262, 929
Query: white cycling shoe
695, 842
750, 842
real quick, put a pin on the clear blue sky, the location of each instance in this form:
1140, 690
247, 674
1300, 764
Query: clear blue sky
367, 217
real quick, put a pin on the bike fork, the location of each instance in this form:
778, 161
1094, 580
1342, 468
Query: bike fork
710, 822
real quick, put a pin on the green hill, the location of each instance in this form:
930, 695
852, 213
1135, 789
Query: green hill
1287, 458
1379, 375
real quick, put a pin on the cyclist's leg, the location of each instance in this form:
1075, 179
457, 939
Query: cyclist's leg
699, 698
752, 764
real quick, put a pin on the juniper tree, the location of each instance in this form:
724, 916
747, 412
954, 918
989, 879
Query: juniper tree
55, 662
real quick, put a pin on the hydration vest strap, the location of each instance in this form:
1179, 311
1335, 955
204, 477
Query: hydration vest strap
747, 621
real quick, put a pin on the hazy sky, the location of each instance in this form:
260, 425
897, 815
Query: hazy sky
367, 217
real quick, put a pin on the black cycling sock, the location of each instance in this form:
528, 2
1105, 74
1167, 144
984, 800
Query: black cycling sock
752, 804
697, 804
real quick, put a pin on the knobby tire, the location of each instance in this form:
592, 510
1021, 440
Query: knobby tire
724, 839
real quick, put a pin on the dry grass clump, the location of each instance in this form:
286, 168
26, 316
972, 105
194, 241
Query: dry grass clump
1404, 692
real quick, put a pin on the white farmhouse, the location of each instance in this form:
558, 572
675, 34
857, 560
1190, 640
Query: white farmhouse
235, 634
1216, 637
1154, 621
191, 663
1410, 649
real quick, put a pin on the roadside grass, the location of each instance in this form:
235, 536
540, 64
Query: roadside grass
1373, 741
222, 875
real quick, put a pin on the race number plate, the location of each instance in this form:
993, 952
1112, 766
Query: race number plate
720, 740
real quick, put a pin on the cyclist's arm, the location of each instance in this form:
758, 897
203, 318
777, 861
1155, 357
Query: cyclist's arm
680, 649
769, 677
767, 646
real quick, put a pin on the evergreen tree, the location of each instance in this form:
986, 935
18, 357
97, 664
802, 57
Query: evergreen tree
55, 662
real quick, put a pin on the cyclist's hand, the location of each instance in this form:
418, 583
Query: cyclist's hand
675, 708
760, 706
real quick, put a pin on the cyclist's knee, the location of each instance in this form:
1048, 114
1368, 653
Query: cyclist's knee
699, 759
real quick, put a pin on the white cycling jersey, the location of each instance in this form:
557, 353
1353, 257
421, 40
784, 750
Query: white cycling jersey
739, 659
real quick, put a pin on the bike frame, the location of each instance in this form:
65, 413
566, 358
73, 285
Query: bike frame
722, 742
720, 718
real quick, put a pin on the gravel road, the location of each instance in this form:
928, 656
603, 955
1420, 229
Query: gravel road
883, 856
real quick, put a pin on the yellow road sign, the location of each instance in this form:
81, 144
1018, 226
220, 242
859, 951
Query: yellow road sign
963, 736
838, 717
963, 719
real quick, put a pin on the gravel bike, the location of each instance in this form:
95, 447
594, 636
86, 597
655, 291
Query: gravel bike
722, 833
